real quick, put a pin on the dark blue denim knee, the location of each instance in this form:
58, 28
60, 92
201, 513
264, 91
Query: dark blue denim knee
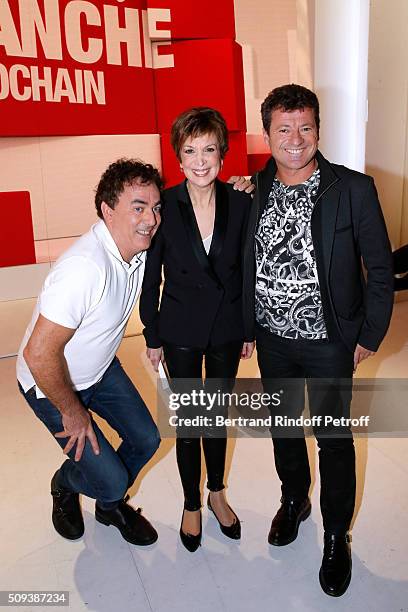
106, 476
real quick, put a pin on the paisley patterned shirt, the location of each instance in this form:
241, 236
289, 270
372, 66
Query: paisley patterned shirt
288, 301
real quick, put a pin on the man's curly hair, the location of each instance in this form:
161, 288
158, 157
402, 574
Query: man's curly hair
289, 98
118, 175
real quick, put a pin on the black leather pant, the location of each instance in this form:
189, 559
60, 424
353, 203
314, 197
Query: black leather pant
280, 358
221, 365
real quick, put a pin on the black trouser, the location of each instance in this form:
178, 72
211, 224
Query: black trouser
221, 365
284, 358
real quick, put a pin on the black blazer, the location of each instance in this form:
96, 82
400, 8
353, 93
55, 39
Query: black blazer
347, 228
201, 301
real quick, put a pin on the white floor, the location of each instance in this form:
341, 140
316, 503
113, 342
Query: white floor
105, 574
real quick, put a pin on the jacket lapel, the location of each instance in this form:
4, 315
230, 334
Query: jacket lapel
220, 222
264, 184
193, 233
325, 213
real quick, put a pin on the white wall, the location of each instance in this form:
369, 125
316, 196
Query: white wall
386, 148
267, 31
340, 77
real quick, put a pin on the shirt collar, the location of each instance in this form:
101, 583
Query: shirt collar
110, 245
313, 178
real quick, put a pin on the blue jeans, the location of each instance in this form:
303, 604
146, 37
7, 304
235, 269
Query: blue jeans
107, 476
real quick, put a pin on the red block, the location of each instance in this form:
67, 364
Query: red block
16, 229
235, 161
190, 19
40, 96
206, 73
257, 161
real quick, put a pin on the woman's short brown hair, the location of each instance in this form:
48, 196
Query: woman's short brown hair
196, 122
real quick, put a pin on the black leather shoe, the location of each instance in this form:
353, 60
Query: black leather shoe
335, 572
66, 511
285, 524
191, 542
231, 531
134, 527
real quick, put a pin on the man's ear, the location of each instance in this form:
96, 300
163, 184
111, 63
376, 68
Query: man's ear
106, 212
265, 137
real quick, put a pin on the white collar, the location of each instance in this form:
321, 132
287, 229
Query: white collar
108, 242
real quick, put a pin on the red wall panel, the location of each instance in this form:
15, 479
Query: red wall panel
257, 161
121, 115
191, 19
124, 102
64, 43
16, 229
206, 73
67, 73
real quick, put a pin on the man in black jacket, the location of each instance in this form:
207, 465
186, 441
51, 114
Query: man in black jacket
312, 224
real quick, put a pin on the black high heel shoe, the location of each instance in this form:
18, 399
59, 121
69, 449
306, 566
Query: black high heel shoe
191, 542
231, 531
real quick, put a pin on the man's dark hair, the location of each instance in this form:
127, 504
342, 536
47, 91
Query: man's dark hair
289, 98
118, 175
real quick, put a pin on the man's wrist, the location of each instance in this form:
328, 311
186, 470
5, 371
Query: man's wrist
71, 409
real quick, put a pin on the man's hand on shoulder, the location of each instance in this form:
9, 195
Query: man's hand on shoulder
241, 183
360, 354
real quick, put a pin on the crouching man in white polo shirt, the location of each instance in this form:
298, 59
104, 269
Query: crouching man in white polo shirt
67, 365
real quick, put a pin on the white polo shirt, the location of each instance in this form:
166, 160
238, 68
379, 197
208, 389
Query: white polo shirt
93, 290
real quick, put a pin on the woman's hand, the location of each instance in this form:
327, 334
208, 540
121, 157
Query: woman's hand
247, 350
156, 356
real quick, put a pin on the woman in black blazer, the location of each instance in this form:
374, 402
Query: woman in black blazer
199, 315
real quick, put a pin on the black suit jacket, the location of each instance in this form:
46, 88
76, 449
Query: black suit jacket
347, 228
201, 301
